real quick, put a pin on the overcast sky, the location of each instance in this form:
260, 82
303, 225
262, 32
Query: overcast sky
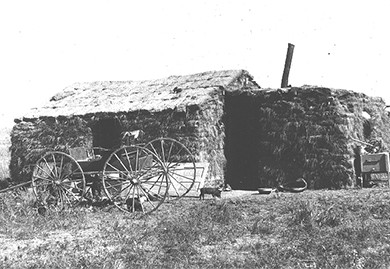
48, 45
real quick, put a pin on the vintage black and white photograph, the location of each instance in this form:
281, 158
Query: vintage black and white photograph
194, 134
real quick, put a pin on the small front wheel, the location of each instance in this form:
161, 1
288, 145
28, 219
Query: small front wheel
58, 181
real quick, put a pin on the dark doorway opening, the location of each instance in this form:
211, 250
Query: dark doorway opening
107, 133
241, 142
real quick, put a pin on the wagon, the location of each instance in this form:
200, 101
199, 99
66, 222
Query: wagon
134, 178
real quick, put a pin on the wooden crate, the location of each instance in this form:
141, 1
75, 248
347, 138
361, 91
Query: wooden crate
375, 168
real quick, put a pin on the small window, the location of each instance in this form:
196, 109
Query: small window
107, 133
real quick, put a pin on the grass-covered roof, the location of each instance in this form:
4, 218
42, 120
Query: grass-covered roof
153, 95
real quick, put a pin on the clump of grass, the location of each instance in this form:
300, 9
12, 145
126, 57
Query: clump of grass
16, 204
264, 225
181, 235
20, 219
301, 215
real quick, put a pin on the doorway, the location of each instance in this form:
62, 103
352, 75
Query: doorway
107, 133
241, 142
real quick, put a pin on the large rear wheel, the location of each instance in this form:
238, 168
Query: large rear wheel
178, 165
134, 181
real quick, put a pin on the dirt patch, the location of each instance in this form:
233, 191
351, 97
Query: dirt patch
237, 193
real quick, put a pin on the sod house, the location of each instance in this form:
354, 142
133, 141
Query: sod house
249, 136
187, 108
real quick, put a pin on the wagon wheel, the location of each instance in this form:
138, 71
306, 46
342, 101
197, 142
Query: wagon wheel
178, 164
58, 180
133, 180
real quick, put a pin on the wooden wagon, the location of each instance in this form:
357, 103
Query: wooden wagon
135, 178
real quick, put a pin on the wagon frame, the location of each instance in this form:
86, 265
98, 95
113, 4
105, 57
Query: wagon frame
134, 178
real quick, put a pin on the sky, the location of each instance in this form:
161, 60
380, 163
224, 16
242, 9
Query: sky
49, 45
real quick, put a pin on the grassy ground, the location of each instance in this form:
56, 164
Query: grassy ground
314, 229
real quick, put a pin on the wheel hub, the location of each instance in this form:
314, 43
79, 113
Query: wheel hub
135, 181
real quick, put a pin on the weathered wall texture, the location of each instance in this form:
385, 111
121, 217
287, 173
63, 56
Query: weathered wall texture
249, 136
198, 128
300, 132
31, 139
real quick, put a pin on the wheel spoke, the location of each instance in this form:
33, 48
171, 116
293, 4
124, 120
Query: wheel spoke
42, 178
120, 161
133, 201
159, 188
154, 149
59, 200
63, 195
137, 168
38, 166
48, 166
176, 174
70, 192
117, 170
170, 150
67, 198
72, 187
139, 199
113, 194
173, 185
116, 185
154, 182
172, 177
42, 184
145, 171
128, 190
128, 160
157, 155
55, 166
150, 202
151, 185
61, 168
122, 190
173, 165
162, 150
75, 172
153, 193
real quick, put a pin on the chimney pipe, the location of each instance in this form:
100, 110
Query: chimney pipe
287, 65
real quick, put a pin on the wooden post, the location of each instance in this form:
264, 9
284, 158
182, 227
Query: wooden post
287, 65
